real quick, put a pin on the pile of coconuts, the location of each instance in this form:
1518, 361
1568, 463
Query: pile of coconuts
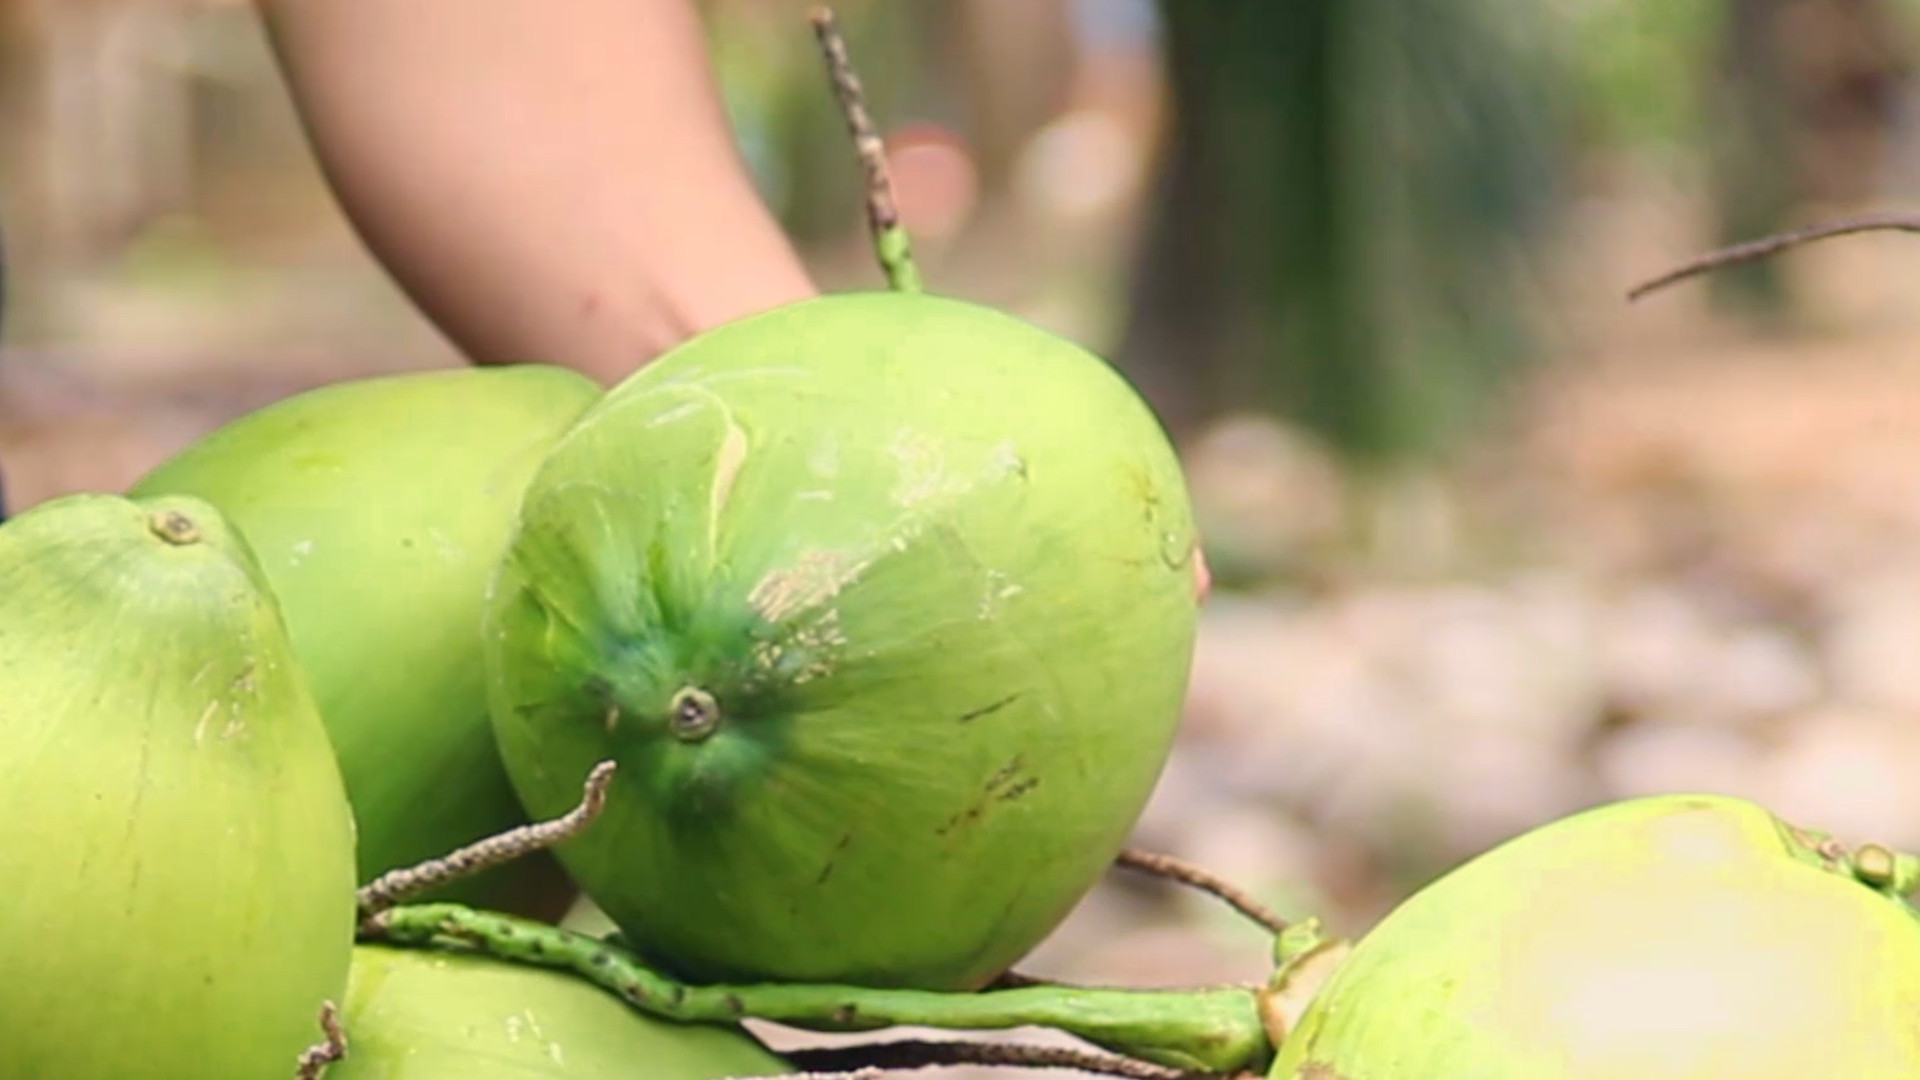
831, 657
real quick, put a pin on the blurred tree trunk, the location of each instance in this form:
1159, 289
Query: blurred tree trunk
1349, 194
1749, 157
1800, 99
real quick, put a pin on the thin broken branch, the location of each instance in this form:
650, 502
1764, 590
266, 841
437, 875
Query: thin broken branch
1185, 873
1768, 245
315, 1059
395, 886
891, 246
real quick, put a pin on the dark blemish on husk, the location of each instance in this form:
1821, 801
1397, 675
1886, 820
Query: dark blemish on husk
971, 813
1001, 787
601, 958
1005, 773
1025, 785
597, 687
845, 1014
174, 527
827, 870
986, 710
734, 1005
679, 995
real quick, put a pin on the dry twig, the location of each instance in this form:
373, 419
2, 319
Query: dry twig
1768, 245
395, 886
315, 1059
1185, 873
883, 212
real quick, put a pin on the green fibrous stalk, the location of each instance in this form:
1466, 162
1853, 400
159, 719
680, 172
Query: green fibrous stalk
1675, 937
378, 507
436, 1015
1212, 1029
174, 835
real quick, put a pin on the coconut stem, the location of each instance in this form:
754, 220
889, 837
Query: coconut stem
1768, 245
395, 886
1185, 873
315, 1059
890, 244
1215, 1029
926, 1054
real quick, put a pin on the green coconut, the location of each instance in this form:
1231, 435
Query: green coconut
1677, 937
415, 1014
378, 507
175, 840
884, 603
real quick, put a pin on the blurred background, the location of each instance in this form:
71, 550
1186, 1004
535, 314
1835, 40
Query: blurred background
1490, 543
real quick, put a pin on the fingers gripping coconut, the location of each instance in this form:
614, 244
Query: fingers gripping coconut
174, 834
884, 603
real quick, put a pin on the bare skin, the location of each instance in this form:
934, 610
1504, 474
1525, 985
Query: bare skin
553, 183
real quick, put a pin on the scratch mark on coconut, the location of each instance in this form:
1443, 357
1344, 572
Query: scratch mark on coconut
1001, 787
1315, 1070
242, 686
827, 870
922, 472
999, 590
811, 581
1008, 460
139, 793
1006, 772
989, 709
726, 469
1026, 784
206, 717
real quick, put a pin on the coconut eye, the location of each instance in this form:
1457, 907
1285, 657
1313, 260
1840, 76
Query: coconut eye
694, 714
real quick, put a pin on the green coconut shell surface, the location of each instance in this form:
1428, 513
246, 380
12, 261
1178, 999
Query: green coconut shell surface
884, 605
378, 507
174, 834
1673, 937
414, 1014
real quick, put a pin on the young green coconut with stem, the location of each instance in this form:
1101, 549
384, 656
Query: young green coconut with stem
1669, 937
1672, 937
175, 838
377, 507
884, 602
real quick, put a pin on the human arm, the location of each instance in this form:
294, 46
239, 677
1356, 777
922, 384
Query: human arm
548, 182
